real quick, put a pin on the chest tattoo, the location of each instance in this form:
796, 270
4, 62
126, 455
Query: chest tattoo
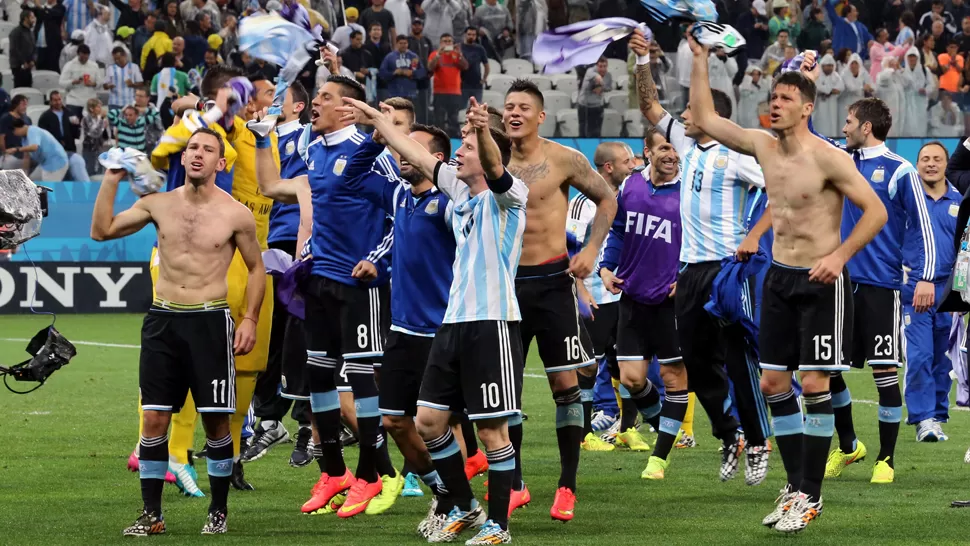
531, 173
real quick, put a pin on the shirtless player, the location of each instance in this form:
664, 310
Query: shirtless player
189, 339
807, 293
544, 282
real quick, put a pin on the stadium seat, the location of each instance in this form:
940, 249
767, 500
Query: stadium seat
518, 68
34, 96
45, 80
633, 123
494, 66
574, 96
5, 45
7, 26
548, 128
493, 98
612, 124
622, 82
7, 76
4, 62
618, 100
500, 83
543, 82
616, 68
568, 121
565, 82
461, 116
556, 101
34, 112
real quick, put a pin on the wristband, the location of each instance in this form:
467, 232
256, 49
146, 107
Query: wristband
262, 142
643, 59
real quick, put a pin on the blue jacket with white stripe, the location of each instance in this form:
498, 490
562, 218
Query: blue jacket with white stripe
943, 217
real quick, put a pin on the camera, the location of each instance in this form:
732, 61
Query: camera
22, 209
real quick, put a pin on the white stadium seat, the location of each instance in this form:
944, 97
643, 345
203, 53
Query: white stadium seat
4, 62
45, 80
565, 82
543, 82
622, 82
617, 68
548, 127
556, 101
618, 100
493, 98
7, 26
518, 68
500, 83
633, 122
612, 124
568, 121
494, 66
34, 96
34, 112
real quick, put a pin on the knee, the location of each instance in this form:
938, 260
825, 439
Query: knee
588, 371
674, 377
632, 381
774, 384
813, 382
429, 425
155, 423
561, 381
396, 423
493, 435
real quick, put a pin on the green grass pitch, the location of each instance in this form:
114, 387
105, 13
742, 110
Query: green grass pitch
63, 451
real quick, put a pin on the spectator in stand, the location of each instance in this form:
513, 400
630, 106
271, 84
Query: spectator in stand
945, 118
23, 50
357, 58
782, 19
963, 37
907, 22
505, 45
123, 40
754, 92
401, 11
592, 100
685, 61
775, 53
341, 36
189, 9
721, 75
376, 44
50, 19
472, 78
206, 28
172, 17
446, 65
129, 14
159, 44
94, 133
529, 23
889, 88
829, 85
420, 44
463, 18
401, 69
917, 88
121, 80
130, 128
81, 78
753, 25
858, 83
439, 17
195, 44
941, 36
98, 36
153, 119
66, 129
8, 139
79, 14
169, 83
951, 68
494, 17
815, 31
70, 50
959, 10
848, 31
142, 34
937, 13
41, 148
927, 46
377, 14
882, 47
178, 50
229, 35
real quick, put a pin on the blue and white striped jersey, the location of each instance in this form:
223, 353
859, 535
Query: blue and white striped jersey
943, 215
78, 15
713, 194
488, 229
121, 95
579, 223
896, 182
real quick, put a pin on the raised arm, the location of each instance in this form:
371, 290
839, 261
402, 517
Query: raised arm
363, 175
284, 190
840, 171
105, 224
647, 93
244, 236
591, 184
702, 110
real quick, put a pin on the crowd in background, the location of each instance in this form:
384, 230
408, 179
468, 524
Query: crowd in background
120, 63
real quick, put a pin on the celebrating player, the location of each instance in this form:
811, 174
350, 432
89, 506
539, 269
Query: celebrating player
189, 337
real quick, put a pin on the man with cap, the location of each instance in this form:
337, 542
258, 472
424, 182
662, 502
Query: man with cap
341, 36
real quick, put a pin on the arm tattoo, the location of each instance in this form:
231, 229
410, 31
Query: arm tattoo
591, 184
646, 88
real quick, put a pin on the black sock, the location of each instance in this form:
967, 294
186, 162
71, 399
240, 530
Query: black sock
152, 466
789, 427
325, 405
648, 403
586, 386
515, 436
468, 434
318, 456
819, 427
569, 433
501, 467
671, 418
382, 458
408, 468
842, 407
447, 459
219, 465
628, 410
368, 417
890, 414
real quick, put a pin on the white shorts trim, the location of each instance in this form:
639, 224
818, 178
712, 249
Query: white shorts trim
432, 405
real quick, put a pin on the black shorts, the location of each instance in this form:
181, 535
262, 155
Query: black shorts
188, 348
805, 325
405, 359
602, 327
476, 367
346, 322
647, 331
701, 337
550, 314
293, 375
875, 333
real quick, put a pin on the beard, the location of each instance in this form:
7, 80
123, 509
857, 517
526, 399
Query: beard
412, 175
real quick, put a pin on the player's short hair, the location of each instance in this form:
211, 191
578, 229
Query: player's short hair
933, 143
651, 134
875, 112
401, 103
495, 120
16, 100
216, 77
300, 95
722, 103
349, 87
440, 143
796, 79
528, 87
606, 152
207, 131
504, 144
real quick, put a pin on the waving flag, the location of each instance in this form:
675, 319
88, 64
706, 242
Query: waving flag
686, 10
581, 43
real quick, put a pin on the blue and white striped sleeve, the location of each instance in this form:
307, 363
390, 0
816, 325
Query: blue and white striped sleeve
383, 250
910, 196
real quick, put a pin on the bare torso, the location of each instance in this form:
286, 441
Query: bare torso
806, 209
196, 244
545, 171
